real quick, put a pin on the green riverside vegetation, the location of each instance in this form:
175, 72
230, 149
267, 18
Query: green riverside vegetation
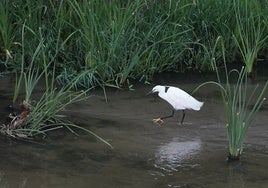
237, 98
87, 43
115, 42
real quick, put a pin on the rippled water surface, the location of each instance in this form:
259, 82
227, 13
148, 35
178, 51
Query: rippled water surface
145, 155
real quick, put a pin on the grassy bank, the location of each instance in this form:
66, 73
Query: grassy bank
111, 42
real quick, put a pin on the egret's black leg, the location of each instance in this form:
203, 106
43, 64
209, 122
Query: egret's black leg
165, 117
183, 115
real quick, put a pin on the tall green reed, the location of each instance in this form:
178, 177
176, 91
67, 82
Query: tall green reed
41, 115
128, 41
249, 34
237, 97
104, 30
30, 72
6, 30
122, 40
19, 76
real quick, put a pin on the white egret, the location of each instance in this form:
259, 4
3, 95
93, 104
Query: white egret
179, 100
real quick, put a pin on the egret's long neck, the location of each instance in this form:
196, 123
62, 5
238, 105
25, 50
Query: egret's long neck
162, 89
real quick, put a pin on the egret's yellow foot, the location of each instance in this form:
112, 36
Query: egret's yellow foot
158, 120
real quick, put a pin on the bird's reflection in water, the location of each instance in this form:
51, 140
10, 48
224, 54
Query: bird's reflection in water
175, 154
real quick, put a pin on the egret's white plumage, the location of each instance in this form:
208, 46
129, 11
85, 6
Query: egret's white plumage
179, 99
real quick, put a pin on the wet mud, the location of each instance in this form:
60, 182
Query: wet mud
145, 154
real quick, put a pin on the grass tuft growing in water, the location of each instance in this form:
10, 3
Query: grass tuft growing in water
237, 98
39, 116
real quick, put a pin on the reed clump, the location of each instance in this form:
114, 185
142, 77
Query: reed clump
38, 116
250, 34
237, 99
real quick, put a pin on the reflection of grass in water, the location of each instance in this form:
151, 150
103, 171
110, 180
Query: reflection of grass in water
236, 99
41, 116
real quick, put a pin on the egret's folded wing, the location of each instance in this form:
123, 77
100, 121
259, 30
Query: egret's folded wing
181, 100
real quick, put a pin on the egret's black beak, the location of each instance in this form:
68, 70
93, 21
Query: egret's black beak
150, 92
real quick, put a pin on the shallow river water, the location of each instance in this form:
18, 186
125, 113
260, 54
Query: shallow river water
145, 155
